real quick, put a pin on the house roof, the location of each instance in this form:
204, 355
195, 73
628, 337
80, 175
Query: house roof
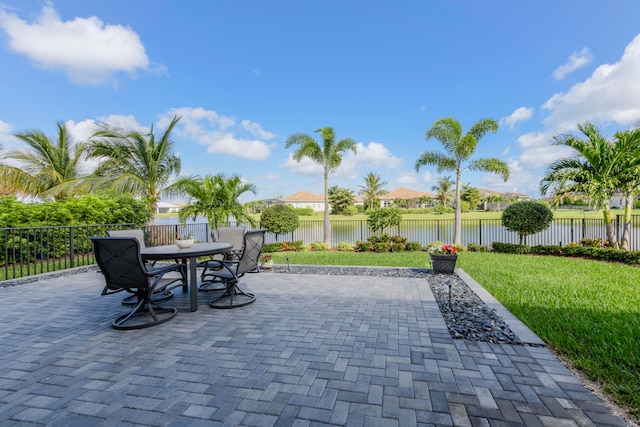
486, 192
405, 193
304, 196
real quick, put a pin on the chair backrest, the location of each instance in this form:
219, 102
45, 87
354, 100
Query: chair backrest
120, 262
137, 233
233, 235
253, 245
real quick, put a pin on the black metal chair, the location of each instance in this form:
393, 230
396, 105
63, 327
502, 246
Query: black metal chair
228, 272
161, 295
233, 235
120, 262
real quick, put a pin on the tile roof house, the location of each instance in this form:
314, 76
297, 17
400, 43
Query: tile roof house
406, 194
305, 199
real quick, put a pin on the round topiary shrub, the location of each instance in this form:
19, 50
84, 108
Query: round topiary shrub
526, 218
279, 219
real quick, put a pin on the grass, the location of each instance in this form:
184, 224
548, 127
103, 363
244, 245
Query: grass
588, 311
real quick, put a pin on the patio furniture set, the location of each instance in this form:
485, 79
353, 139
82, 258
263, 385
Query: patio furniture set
128, 265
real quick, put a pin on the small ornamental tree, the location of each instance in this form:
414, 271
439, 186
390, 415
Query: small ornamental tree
381, 218
279, 219
526, 218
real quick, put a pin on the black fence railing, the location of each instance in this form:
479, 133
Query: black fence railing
30, 251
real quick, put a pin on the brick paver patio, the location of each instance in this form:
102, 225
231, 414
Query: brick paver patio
313, 350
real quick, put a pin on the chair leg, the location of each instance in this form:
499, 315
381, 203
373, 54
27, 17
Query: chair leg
146, 308
232, 297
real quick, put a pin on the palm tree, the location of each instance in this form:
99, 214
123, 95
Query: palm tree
341, 200
372, 190
594, 171
215, 197
471, 195
49, 168
132, 162
628, 175
443, 190
329, 156
459, 148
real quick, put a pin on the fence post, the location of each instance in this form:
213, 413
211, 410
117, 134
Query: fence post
480, 231
71, 248
572, 239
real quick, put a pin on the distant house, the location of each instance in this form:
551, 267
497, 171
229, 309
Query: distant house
163, 207
498, 206
305, 199
413, 198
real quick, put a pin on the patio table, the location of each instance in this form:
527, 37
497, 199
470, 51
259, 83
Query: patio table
191, 254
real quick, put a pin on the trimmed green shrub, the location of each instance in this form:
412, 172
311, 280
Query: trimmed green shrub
345, 247
413, 246
527, 217
591, 243
319, 246
474, 247
397, 247
398, 239
364, 246
510, 248
381, 247
279, 219
273, 247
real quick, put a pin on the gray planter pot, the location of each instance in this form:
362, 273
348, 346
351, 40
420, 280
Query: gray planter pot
443, 263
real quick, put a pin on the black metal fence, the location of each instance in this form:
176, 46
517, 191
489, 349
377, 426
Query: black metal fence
35, 250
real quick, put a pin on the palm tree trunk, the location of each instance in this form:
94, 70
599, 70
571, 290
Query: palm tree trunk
457, 216
610, 227
626, 231
327, 224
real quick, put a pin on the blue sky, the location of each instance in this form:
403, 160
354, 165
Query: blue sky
247, 74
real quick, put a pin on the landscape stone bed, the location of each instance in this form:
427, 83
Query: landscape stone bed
466, 315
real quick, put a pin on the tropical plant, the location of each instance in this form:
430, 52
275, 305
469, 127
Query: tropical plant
215, 197
49, 168
329, 156
443, 190
381, 218
459, 148
279, 219
135, 162
598, 168
527, 217
372, 190
470, 195
628, 176
340, 199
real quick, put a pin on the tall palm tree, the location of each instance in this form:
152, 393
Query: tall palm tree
48, 168
329, 156
459, 148
215, 197
628, 175
132, 162
372, 190
592, 171
443, 190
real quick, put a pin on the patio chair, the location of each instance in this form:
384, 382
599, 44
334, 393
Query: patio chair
228, 272
119, 261
162, 295
233, 235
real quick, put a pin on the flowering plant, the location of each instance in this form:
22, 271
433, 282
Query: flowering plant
186, 236
444, 250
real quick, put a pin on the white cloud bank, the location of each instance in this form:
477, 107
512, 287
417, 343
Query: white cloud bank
221, 134
575, 61
85, 49
519, 115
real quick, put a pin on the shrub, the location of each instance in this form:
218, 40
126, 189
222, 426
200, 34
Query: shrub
397, 247
510, 248
304, 211
345, 247
319, 246
591, 243
273, 247
381, 218
381, 247
364, 246
293, 246
413, 246
474, 247
279, 219
398, 239
460, 248
526, 218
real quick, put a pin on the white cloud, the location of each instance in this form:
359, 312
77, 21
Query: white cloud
406, 180
86, 49
5, 132
519, 115
305, 166
575, 61
221, 134
375, 154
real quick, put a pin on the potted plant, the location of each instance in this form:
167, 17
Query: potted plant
443, 258
266, 262
185, 240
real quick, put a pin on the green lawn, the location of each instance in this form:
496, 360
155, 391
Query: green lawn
588, 311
